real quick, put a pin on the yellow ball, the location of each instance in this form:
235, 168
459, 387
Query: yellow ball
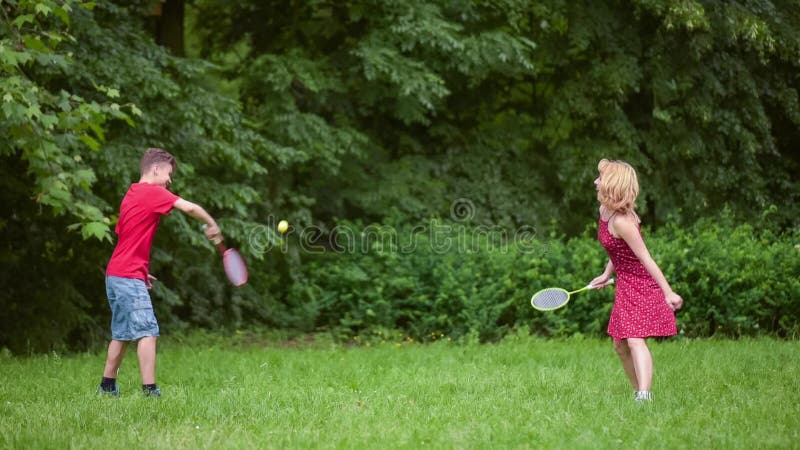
283, 226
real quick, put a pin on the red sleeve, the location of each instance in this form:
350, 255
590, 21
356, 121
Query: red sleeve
161, 200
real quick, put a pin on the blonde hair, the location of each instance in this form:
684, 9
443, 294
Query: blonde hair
619, 186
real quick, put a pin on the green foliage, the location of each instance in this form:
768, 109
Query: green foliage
512, 103
53, 129
222, 162
737, 280
509, 104
459, 282
330, 113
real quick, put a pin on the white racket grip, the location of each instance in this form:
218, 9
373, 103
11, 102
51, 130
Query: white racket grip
611, 281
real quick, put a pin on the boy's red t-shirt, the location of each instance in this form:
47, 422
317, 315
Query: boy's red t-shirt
139, 213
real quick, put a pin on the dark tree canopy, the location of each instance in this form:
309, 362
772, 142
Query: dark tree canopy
371, 112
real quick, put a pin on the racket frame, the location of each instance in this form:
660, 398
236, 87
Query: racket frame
227, 255
568, 293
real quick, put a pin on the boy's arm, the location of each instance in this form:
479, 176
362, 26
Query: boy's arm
197, 211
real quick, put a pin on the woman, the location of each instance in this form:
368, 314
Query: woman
644, 303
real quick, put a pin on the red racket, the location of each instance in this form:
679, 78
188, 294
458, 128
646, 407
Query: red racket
233, 263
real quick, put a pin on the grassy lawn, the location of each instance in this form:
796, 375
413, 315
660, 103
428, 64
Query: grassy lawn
522, 393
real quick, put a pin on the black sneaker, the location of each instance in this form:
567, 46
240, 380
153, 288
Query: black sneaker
155, 392
105, 392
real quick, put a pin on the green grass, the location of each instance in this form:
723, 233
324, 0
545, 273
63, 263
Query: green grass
522, 393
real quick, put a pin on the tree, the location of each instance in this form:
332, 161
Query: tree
73, 153
168, 19
54, 130
511, 103
370, 112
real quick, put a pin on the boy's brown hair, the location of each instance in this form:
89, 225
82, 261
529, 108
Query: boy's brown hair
156, 156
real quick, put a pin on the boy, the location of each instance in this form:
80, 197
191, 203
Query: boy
127, 275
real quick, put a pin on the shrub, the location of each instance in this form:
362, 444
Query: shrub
736, 280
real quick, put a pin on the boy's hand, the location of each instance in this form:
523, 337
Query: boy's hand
149, 282
212, 233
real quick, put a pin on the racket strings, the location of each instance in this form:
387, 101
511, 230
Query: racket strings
235, 267
550, 298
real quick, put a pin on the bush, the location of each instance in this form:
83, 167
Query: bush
736, 280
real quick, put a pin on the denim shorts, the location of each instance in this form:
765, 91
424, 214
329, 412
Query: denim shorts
132, 315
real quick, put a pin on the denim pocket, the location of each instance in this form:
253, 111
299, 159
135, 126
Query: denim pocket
142, 316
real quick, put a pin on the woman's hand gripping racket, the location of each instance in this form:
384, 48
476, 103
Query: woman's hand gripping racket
232, 262
554, 298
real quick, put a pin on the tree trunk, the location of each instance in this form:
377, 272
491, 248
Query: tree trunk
169, 26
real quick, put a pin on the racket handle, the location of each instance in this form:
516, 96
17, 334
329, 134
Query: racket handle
611, 281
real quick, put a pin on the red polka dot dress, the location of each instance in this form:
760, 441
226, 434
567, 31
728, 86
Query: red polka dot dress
640, 309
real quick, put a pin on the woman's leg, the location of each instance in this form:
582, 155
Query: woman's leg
642, 362
624, 352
